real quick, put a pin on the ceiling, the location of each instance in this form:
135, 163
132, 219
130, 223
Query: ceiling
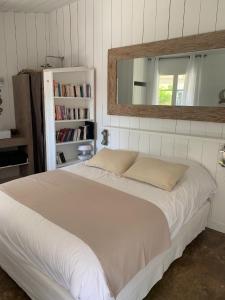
32, 5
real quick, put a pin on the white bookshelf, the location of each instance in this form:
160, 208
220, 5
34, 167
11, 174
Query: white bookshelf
74, 76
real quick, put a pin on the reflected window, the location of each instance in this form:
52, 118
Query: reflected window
171, 89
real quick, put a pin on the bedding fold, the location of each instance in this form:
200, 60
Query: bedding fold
124, 231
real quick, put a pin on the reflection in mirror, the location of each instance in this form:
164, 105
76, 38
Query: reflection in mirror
190, 79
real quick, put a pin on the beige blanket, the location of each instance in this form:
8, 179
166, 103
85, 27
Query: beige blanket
124, 232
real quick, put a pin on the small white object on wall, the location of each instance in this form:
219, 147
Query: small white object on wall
5, 134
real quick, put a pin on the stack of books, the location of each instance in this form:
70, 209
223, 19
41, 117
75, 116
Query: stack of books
71, 90
72, 134
69, 113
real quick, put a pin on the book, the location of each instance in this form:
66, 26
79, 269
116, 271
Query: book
71, 90
78, 94
70, 113
60, 158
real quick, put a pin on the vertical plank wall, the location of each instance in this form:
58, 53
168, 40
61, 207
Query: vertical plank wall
85, 30
24, 43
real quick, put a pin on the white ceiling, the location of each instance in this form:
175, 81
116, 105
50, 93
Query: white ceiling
32, 5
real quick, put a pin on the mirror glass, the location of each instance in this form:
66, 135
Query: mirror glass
189, 79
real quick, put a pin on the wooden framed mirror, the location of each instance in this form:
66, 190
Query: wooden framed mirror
182, 78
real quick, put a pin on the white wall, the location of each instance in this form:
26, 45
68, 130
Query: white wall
24, 43
85, 30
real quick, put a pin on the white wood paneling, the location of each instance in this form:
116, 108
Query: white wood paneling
127, 22
116, 23
155, 144
149, 21
195, 150
137, 23
183, 127
144, 143
191, 17
74, 33
25, 40
67, 37
134, 122
21, 40
5, 117
181, 147
11, 59
107, 44
98, 63
167, 146
47, 34
134, 140
145, 123
81, 32
90, 33
41, 39
124, 122
162, 19
208, 15
53, 34
123, 139
220, 22
60, 32
31, 41
176, 18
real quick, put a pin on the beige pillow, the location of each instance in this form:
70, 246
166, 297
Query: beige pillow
115, 161
157, 172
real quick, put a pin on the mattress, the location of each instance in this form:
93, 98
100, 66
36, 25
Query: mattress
67, 260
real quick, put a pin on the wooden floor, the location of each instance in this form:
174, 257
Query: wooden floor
198, 275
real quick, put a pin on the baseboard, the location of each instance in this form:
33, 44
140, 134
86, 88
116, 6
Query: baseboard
216, 226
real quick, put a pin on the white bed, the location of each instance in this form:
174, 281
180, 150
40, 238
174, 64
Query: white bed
57, 265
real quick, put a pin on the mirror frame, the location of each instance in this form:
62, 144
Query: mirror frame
206, 41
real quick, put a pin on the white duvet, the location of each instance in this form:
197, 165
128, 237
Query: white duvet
67, 259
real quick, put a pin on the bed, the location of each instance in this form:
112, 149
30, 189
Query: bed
53, 265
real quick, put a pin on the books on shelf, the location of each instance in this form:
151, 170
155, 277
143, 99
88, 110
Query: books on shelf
75, 134
70, 90
60, 158
70, 113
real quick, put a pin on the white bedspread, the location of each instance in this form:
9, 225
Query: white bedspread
67, 259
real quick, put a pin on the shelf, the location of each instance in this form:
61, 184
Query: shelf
70, 121
13, 142
13, 166
74, 98
68, 163
74, 142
